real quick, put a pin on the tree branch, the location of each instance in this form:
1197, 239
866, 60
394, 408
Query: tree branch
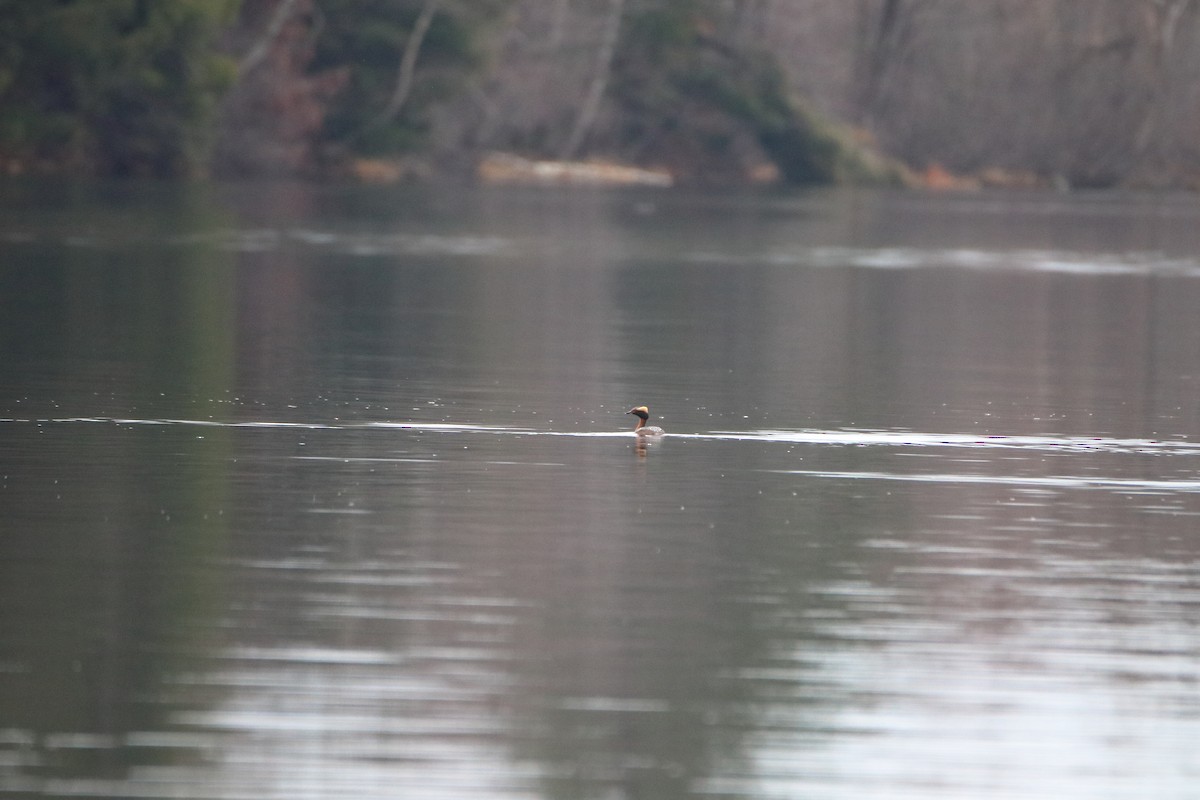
408, 66
255, 55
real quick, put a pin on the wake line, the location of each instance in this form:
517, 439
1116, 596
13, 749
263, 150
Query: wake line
314, 426
860, 438
1052, 481
846, 437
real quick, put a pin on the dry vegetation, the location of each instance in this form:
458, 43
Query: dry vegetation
1093, 93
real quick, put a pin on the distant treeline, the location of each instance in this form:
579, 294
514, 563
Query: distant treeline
1095, 93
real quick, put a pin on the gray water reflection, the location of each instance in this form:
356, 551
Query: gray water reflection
330, 493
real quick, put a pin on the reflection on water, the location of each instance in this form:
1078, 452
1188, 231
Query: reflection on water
331, 493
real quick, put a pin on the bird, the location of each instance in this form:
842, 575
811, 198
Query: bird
642, 429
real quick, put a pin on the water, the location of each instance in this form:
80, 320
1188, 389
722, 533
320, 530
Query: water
329, 493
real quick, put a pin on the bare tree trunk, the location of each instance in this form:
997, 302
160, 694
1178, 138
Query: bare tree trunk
262, 45
880, 39
1163, 20
599, 81
408, 65
1169, 12
558, 23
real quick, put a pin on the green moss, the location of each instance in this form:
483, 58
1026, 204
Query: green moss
683, 85
679, 84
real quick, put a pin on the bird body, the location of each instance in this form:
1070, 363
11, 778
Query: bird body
643, 415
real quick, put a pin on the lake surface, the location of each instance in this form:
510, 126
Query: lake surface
329, 492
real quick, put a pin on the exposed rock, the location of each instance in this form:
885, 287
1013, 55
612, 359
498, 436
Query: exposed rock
504, 168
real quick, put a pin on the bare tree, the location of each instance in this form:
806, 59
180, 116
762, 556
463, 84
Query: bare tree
598, 83
1099, 92
262, 45
1162, 20
1165, 16
408, 66
559, 17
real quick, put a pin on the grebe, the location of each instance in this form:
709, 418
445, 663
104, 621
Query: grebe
642, 429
